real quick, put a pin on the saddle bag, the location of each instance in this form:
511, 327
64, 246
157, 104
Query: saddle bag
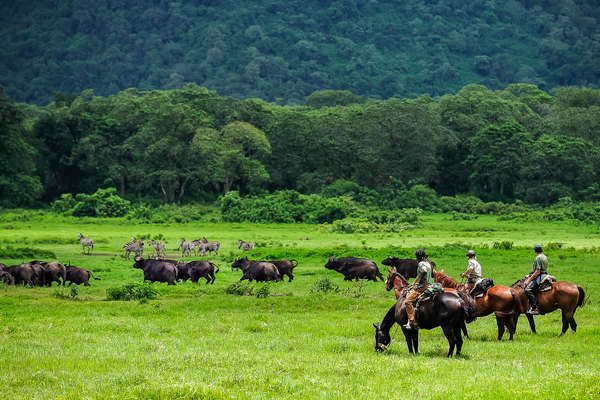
429, 293
546, 283
481, 287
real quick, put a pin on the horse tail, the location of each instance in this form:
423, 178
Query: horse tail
469, 306
581, 301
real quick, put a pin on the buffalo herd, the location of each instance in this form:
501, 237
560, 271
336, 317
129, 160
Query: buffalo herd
43, 273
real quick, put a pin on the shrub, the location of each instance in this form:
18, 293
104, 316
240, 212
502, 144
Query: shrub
504, 245
323, 286
264, 291
132, 291
66, 294
103, 203
240, 288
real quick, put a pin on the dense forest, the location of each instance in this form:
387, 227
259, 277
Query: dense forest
283, 51
193, 145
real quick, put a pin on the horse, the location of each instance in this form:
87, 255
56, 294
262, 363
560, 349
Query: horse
564, 295
505, 302
447, 310
399, 283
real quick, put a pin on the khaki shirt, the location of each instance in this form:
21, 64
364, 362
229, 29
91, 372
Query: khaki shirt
424, 272
540, 262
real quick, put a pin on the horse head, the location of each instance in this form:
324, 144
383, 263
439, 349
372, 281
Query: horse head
395, 280
382, 339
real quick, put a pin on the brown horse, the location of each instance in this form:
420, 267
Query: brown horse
564, 295
399, 283
507, 304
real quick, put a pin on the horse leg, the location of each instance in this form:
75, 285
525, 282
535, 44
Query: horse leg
531, 322
512, 326
408, 338
415, 338
573, 324
500, 323
458, 338
449, 333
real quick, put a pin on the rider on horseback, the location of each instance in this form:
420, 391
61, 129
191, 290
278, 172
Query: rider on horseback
538, 273
421, 283
473, 272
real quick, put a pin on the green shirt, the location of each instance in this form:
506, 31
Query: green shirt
541, 263
424, 272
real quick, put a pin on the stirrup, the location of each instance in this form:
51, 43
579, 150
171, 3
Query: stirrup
532, 311
407, 325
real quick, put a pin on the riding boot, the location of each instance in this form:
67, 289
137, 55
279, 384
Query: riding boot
533, 307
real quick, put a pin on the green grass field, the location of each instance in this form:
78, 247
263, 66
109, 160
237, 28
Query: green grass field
198, 342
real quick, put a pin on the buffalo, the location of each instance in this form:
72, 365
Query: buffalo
22, 273
195, 270
157, 270
76, 275
407, 267
285, 267
53, 272
259, 271
355, 268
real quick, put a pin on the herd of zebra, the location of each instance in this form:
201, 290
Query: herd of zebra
195, 247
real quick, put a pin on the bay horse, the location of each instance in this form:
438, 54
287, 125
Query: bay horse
447, 310
564, 295
399, 283
505, 302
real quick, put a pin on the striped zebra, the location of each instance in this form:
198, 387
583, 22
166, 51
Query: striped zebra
245, 246
89, 243
159, 247
204, 245
187, 247
134, 247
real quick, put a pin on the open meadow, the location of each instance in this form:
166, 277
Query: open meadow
196, 341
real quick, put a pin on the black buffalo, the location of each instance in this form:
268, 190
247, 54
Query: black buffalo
285, 267
22, 273
195, 270
78, 276
407, 267
157, 270
355, 268
51, 272
259, 271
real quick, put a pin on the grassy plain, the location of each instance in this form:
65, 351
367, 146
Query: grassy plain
198, 342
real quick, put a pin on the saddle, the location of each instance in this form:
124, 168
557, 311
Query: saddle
546, 283
429, 294
481, 287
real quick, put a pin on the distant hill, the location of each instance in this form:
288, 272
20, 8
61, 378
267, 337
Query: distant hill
284, 50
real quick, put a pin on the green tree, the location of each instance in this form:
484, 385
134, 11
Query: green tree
19, 183
497, 154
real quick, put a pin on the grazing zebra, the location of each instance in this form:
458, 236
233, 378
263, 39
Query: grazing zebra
245, 246
134, 247
89, 243
186, 247
204, 245
159, 247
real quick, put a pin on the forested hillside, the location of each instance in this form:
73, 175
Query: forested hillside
191, 144
283, 51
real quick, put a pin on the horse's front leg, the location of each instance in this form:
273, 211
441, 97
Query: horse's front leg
408, 338
531, 322
500, 324
449, 333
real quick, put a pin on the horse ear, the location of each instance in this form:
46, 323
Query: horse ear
375, 325
394, 270
442, 271
389, 270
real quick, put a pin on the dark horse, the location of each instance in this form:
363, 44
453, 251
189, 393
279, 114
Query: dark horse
448, 310
398, 282
564, 295
505, 302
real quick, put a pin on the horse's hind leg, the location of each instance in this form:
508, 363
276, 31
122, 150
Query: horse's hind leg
449, 333
463, 327
415, 337
408, 337
573, 324
500, 323
458, 338
531, 322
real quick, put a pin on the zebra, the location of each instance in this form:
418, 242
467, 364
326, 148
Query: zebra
89, 243
159, 247
134, 247
245, 246
204, 245
186, 247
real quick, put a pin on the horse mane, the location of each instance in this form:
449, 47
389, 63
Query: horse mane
445, 280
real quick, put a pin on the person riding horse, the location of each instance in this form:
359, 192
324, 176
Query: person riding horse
473, 272
538, 273
421, 283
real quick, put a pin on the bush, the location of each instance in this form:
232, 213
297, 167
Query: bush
103, 203
264, 291
132, 291
504, 245
323, 286
240, 288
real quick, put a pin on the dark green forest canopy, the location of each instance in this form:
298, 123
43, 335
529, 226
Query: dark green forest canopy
191, 144
282, 51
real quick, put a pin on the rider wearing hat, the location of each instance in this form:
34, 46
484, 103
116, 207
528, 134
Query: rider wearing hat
538, 273
473, 272
422, 280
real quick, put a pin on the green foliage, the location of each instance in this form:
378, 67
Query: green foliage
503, 245
103, 203
324, 286
67, 294
132, 291
25, 253
263, 291
330, 98
241, 289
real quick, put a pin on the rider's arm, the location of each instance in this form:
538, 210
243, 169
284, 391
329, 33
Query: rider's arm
535, 274
467, 272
